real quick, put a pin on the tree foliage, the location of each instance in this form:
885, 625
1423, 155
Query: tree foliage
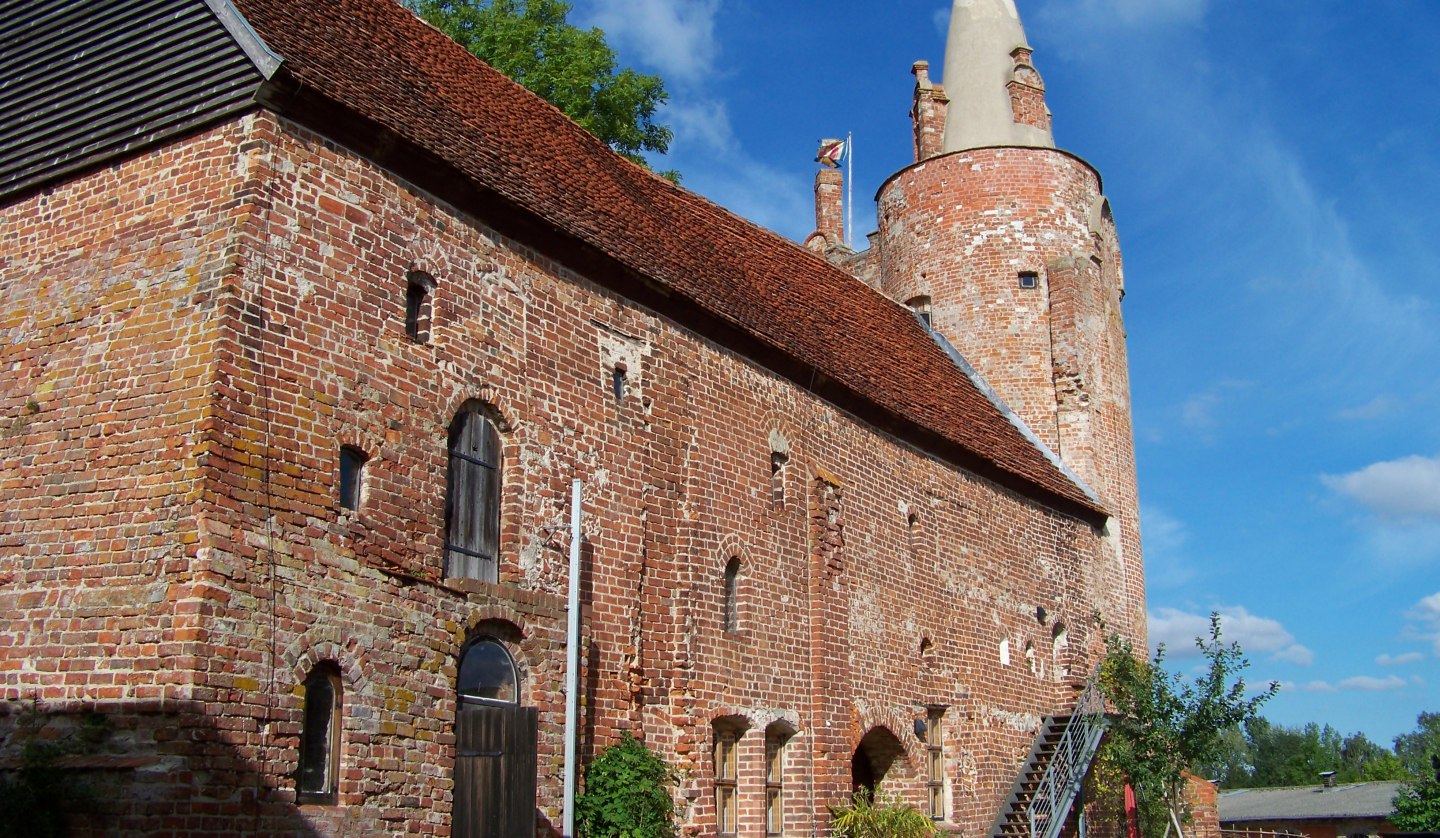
866, 817
627, 794
1417, 807
1261, 754
1418, 748
574, 69
1164, 724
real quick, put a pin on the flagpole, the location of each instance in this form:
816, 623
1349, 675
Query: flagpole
850, 189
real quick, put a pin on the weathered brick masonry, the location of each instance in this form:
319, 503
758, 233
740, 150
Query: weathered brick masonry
192, 333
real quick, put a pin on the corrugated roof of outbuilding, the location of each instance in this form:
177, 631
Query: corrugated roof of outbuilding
1346, 800
374, 59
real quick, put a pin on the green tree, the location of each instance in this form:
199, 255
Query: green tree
1417, 748
1362, 761
574, 69
1417, 806
1165, 724
627, 794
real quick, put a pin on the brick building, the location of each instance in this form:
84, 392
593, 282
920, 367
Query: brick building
310, 321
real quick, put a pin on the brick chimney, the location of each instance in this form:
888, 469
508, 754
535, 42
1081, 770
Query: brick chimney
829, 206
928, 113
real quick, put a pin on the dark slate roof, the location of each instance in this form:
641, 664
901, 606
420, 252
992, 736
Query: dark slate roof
392, 81
84, 81
1347, 800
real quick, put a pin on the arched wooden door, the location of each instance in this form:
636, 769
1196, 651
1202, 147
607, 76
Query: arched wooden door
495, 744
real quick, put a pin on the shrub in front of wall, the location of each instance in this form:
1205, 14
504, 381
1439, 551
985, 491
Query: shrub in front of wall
627, 794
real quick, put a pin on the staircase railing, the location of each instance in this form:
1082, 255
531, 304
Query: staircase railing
1060, 784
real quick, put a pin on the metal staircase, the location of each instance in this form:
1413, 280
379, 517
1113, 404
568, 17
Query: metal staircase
1040, 801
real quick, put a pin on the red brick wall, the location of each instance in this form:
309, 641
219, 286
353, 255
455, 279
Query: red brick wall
266, 331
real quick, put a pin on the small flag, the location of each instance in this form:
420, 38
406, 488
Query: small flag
832, 152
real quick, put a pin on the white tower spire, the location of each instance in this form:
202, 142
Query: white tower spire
978, 70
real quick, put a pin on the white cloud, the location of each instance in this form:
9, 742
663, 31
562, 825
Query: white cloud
1424, 621
1358, 683
1308, 687
1178, 629
1366, 683
1402, 659
1376, 408
677, 37
1406, 489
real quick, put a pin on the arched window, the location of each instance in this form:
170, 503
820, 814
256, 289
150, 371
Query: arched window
488, 674
472, 496
732, 595
317, 778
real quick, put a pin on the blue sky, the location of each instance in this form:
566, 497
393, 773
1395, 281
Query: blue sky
1274, 169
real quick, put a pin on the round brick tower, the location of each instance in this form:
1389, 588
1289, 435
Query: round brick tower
1009, 245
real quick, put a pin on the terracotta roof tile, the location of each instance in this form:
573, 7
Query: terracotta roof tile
375, 59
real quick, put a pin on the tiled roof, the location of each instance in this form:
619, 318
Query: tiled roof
376, 60
1348, 800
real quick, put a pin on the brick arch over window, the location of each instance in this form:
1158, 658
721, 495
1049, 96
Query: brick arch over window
474, 477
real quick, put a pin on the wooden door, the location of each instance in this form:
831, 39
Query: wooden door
494, 772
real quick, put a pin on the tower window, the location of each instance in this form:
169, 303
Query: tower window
618, 382
472, 496
417, 306
352, 472
731, 617
1029, 279
921, 307
320, 737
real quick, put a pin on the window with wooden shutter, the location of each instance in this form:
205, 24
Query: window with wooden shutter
472, 499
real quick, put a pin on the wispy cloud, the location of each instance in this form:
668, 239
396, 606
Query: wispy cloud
1387, 659
1358, 683
1423, 622
1376, 408
1164, 537
1178, 629
677, 37
1405, 489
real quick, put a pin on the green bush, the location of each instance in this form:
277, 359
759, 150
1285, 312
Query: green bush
866, 817
627, 794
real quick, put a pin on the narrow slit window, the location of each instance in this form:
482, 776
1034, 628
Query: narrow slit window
777, 479
320, 737
731, 616
418, 290
618, 382
352, 473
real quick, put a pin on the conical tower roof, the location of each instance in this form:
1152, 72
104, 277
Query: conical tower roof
978, 70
